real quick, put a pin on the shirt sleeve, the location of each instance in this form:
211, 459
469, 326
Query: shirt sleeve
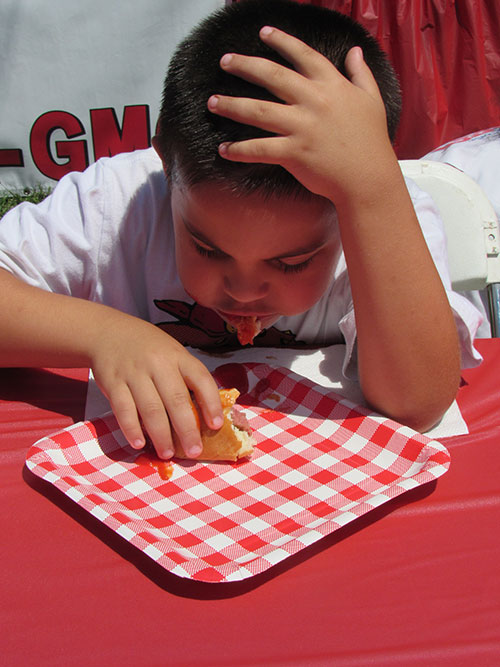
54, 245
467, 317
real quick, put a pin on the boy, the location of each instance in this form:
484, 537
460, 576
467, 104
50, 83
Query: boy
280, 174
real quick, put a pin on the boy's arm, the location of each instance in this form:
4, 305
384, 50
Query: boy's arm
332, 136
142, 370
408, 351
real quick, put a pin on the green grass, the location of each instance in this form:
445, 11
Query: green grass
11, 198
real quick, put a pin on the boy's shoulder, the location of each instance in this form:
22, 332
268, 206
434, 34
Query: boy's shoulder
118, 179
143, 162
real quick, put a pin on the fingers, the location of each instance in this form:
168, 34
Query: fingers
177, 403
184, 421
139, 401
207, 396
161, 406
123, 407
305, 60
288, 84
277, 79
359, 73
284, 82
270, 116
269, 150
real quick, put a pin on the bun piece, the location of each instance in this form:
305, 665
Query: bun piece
231, 442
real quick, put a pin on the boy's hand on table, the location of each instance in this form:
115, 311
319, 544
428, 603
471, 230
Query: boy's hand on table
331, 131
145, 373
147, 376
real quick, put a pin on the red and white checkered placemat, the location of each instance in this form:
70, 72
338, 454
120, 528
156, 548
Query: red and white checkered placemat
320, 462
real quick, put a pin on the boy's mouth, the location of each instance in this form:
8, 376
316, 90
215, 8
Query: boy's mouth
264, 319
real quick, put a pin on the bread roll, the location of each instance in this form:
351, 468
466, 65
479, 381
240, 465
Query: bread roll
231, 442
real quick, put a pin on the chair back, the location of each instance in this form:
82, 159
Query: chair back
470, 222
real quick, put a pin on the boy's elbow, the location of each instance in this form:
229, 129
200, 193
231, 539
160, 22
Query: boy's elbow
426, 419
420, 418
419, 410
431, 409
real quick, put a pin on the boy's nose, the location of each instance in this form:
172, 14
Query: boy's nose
245, 288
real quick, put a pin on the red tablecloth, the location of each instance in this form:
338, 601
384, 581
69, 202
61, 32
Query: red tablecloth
416, 581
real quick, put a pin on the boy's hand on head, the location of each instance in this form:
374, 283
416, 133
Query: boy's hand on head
331, 132
147, 376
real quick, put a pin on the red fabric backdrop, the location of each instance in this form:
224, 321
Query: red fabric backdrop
447, 56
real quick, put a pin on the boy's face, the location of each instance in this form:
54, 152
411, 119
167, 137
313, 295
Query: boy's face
245, 255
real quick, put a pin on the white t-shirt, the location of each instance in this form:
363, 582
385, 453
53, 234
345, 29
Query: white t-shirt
106, 235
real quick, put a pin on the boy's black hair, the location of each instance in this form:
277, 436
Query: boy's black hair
188, 135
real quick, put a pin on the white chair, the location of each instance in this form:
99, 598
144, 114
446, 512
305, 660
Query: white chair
471, 227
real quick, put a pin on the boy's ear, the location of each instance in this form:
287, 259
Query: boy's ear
156, 146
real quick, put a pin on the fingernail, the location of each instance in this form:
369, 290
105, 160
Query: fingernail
217, 423
167, 454
193, 451
137, 444
358, 51
212, 101
226, 59
266, 30
223, 148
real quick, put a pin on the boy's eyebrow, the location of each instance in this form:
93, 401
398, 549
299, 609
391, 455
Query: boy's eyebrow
296, 252
304, 250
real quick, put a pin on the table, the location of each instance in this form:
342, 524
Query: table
414, 582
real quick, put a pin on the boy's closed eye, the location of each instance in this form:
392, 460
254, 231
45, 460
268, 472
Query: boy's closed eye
286, 264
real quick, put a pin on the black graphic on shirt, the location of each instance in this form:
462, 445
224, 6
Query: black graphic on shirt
203, 328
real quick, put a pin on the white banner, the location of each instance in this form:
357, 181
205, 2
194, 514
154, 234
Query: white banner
81, 79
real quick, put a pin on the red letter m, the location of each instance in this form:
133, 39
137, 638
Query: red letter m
109, 139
